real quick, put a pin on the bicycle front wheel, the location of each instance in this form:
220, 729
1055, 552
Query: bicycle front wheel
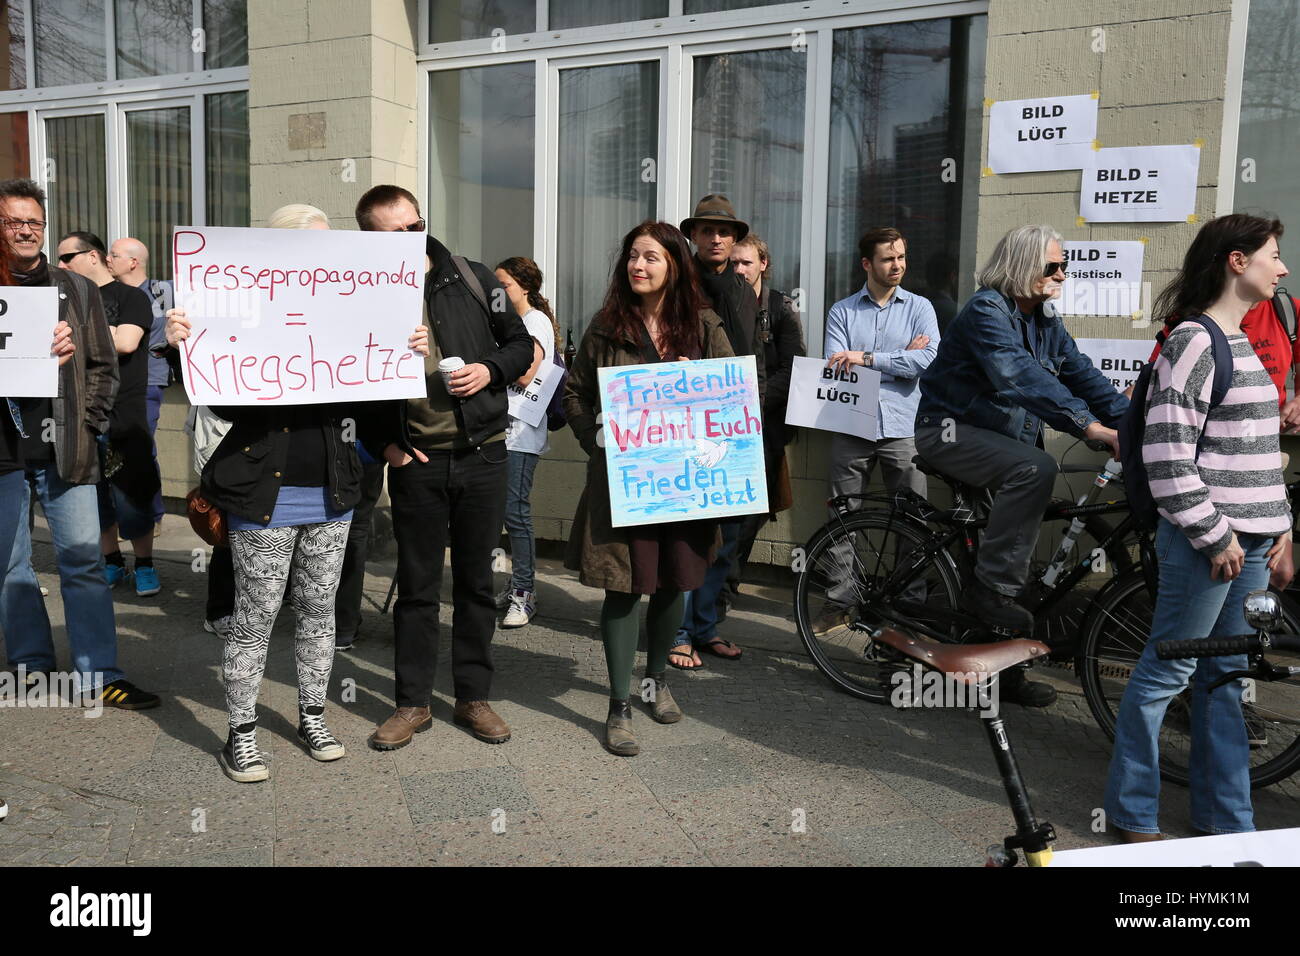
861, 572
1114, 636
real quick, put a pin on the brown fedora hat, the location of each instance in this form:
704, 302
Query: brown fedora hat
715, 207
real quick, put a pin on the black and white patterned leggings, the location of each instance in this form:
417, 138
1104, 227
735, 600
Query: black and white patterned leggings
308, 558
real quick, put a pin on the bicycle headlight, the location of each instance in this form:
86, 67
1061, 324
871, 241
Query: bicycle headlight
1263, 610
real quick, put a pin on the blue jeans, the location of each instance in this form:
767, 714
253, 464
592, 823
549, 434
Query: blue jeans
13, 488
73, 516
520, 466
134, 519
700, 615
153, 399
1189, 605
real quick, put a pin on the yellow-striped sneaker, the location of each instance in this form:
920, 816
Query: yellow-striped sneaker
125, 695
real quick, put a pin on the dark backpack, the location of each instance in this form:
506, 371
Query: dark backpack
555, 417
1132, 425
1284, 309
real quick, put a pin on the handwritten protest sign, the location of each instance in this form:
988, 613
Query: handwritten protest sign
1102, 278
28, 315
1054, 132
529, 404
1119, 360
844, 402
1140, 184
298, 317
683, 441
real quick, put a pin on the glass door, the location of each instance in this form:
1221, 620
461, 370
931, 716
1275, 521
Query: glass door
159, 173
608, 124
74, 174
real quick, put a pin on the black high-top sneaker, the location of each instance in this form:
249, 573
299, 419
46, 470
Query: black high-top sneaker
321, 744
240, 758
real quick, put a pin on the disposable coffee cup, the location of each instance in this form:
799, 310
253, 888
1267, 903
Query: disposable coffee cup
447, 366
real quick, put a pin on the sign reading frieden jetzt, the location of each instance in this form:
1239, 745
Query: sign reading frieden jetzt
683, 441
299, 316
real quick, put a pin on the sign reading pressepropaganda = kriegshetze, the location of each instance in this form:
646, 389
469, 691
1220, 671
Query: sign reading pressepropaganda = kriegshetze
299, 316
683, 441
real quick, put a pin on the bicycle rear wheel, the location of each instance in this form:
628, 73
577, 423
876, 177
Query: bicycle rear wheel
869, 570
1114, 636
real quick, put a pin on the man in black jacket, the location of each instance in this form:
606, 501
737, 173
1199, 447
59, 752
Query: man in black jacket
715, 230
447, 478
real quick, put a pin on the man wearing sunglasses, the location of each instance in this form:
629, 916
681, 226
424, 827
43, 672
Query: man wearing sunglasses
61, 456
1006, 367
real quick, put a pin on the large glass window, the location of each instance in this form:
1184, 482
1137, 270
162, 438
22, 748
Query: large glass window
566, 14
159, 179
609, 128
481, 160
225, 25
74, 176
13, 45
718, 6
227, 159
451, 20
1268, 172
15, 147
898, 139
69, 38
153, 37
747, 143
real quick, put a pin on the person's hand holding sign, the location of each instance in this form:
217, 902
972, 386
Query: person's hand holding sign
178, 327
63, 346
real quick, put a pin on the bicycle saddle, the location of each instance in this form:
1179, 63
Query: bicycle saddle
964, 661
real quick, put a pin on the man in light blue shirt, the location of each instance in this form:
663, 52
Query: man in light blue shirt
884, 327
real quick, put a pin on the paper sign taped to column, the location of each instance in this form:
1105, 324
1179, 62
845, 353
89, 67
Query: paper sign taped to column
1102, 278
1119, 360
299, 316
28, 315
843, 402
1140, 184
1053, 132
683, 441
529, 404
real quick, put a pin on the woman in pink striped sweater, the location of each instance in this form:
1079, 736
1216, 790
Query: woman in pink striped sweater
1216, 476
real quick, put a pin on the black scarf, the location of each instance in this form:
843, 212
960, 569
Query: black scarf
38, 276
720, 287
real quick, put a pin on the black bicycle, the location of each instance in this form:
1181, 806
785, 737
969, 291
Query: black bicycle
904, 563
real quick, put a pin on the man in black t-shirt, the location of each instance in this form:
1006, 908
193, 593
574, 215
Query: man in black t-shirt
130, 478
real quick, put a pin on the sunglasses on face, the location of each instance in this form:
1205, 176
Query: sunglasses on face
417, 226
1052, 268
69, 256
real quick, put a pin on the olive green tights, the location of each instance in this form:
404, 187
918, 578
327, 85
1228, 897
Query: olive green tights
620, 632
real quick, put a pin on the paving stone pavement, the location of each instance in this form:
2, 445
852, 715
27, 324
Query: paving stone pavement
770, 767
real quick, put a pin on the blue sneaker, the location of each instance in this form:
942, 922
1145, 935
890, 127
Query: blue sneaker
114, 574
146, 582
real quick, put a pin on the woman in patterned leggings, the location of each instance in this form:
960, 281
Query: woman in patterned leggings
287, 478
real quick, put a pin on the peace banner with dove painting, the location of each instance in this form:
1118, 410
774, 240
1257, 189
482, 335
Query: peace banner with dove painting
683, 441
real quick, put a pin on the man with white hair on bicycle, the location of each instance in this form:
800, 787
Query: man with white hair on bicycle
1006, 367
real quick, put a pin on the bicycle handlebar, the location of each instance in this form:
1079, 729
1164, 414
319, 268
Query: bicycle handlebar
1225, 646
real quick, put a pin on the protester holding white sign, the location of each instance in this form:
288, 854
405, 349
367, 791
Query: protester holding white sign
526, 435
275, 318
287, 477
27, 317
825, 398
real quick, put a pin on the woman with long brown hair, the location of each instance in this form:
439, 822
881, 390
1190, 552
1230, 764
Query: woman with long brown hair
525, 443
653, 312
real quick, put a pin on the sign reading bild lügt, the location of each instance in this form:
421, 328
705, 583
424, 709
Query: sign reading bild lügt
683, 441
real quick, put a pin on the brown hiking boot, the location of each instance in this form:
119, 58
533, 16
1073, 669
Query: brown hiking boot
482, 721
398, 729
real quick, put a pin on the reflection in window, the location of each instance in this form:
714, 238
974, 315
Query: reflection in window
896, 115
75, 190
227, 159
69, 42
718, 6
153, 37
15, 147
225, 25
1268, 174
609, 129
583, 13
158, 179
747, 143
13, 45
451, 20
481, 161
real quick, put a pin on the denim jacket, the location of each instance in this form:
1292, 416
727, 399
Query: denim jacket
994, 370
